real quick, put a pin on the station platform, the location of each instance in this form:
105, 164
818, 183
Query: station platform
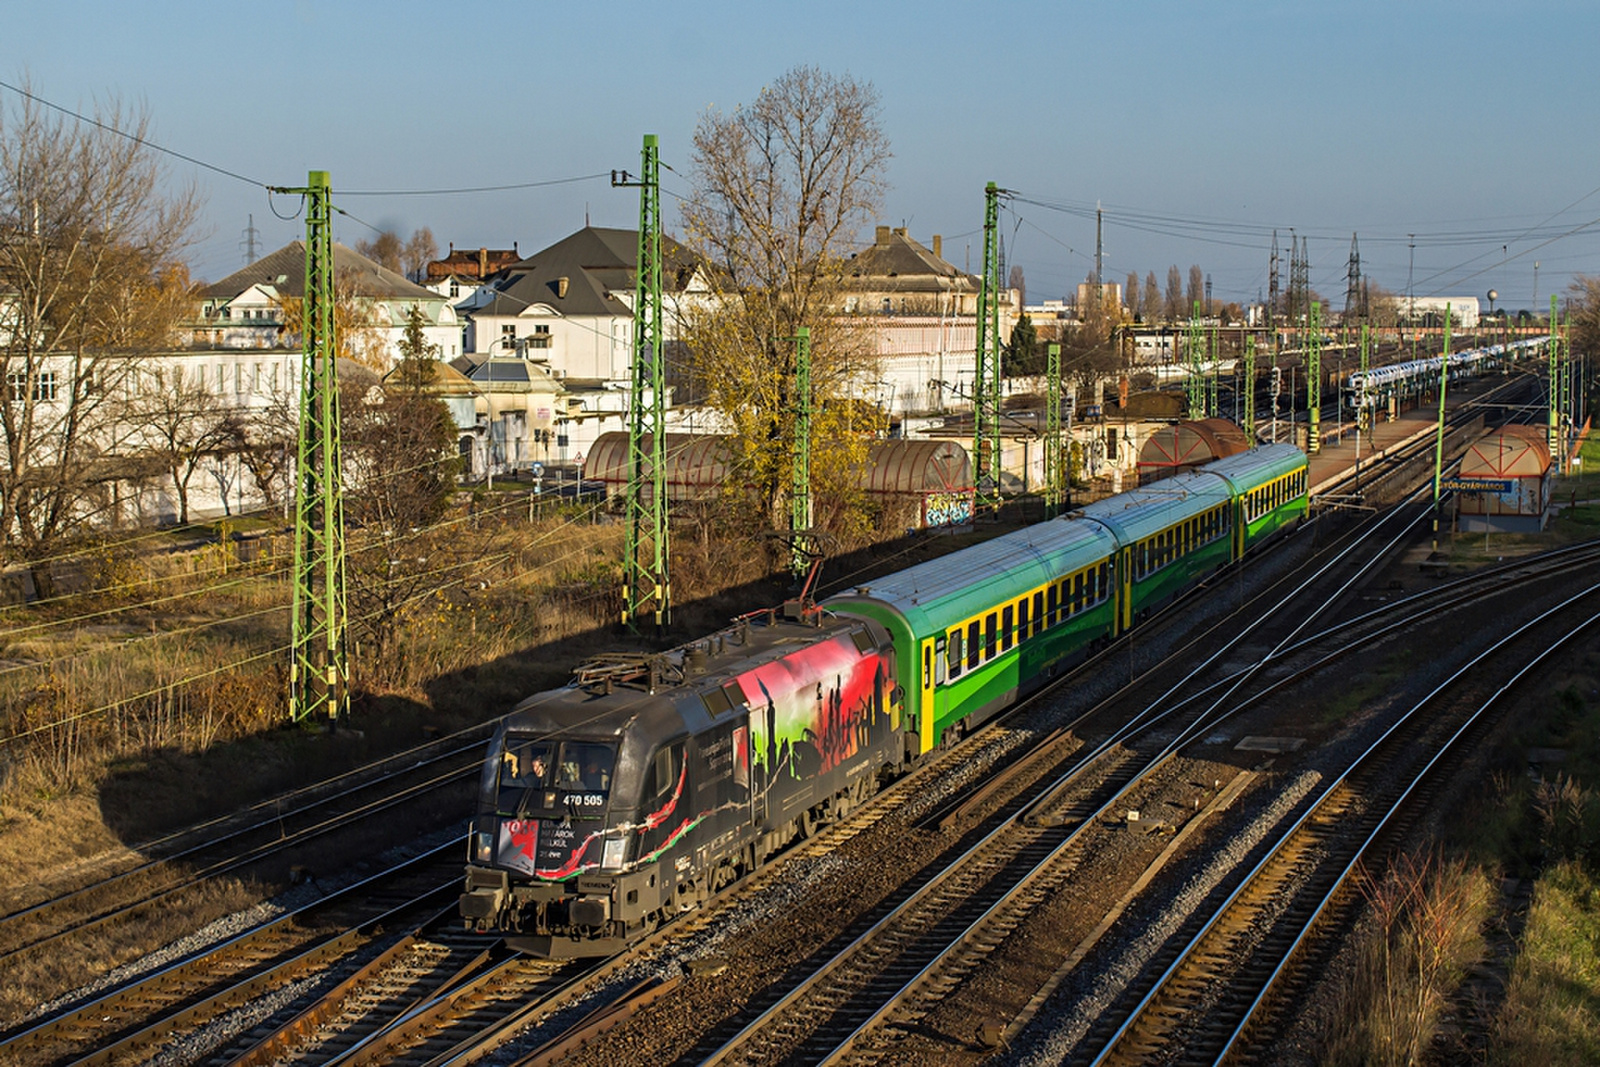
1337, 456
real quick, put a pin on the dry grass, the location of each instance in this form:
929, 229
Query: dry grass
1551, 1013
1428, 916
34, 976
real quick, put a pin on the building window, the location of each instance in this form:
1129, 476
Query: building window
540, 338
44, 385
455, 288
508, 337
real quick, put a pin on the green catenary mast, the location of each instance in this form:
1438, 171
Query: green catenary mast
1554, 371
1055, 473
1214, 374
1250, 388
646, 588
800, 519
986, 378
1194, 385
319, 667
1314, 378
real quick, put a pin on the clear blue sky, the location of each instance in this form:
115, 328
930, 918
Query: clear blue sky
1200, 126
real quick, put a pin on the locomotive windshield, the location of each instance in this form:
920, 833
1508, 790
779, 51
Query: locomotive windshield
524, 767
539, 776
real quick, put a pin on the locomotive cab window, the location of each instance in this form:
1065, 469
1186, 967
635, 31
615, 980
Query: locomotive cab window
585, 769
525, 765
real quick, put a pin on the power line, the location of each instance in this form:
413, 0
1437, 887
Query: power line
124, 134
477, 188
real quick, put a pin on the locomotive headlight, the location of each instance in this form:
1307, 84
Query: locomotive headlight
611, 857
483, 847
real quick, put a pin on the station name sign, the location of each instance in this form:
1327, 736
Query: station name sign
1478, 485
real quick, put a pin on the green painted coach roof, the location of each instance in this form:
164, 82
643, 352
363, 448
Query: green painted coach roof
1137, 514
1258, 466
942, 592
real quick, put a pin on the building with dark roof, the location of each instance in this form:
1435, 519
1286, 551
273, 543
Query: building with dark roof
570, 306
246, 309
897, 275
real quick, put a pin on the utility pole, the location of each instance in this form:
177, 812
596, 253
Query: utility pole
1411, 297
800, 518
645, 575
319, 664
249, 242
1352, 281
1438, 443
986, 382
1055, 473
1272, 299
1099, 251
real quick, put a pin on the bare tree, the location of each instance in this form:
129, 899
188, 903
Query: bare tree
89, 242
1197, 290
385, 250
178, 425
400, 462
1020, 284
1130, 295
1152, 298
421, 250
1175, 309
265, 440
782, 187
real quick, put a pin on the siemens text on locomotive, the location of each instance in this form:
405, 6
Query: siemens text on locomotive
650, 782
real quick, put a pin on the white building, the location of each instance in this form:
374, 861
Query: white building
1430, 310
247, 309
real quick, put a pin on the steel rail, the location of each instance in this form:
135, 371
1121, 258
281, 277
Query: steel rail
1302, 936
1189, 950
309, 833
970, 856
268, 823
969, 934
103, 1006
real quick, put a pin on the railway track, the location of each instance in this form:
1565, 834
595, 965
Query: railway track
925, 947
269, 831
130, 1020
1222, 981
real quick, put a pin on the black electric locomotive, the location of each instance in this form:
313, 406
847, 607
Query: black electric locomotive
650, 782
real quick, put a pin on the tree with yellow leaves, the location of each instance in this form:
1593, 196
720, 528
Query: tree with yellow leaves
782, 188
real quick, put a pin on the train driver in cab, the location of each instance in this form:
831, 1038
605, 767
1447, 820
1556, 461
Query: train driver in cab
524, 765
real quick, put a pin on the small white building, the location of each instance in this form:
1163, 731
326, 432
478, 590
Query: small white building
1430, 311
247, 309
